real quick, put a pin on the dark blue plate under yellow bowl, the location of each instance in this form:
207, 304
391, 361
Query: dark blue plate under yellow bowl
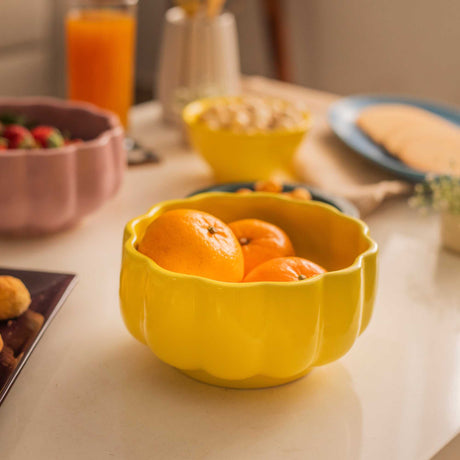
341, 204
342, 119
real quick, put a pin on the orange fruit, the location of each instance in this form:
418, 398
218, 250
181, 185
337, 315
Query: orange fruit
260, 241
272, 185
196, 243
299, 193
284, 269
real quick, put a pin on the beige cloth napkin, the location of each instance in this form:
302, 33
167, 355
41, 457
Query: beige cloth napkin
324, 161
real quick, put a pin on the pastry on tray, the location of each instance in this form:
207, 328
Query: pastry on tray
14, 297
18, 332
7, 364
419, 138
18, 324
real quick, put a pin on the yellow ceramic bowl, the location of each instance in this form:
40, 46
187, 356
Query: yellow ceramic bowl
249, 335
244, 157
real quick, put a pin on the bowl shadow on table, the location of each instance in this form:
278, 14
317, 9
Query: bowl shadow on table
224, 423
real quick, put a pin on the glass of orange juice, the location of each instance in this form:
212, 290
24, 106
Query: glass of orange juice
101, 38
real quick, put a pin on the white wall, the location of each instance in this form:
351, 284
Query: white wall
405, 46
352, 46
26, 47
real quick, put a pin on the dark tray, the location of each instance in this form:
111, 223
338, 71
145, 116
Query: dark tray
48, 292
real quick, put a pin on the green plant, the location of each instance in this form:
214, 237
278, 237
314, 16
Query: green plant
439, 193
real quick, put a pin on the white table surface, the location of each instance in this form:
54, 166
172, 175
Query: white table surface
90, 391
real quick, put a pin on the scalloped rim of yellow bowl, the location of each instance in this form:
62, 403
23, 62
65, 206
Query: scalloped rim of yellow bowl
357, 263
192, 110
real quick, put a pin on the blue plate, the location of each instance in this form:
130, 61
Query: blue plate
342, 116
341, 204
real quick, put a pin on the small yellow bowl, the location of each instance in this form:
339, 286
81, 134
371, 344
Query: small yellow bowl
240, 156
252, 335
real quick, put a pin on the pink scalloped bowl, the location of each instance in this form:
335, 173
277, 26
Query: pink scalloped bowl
47, 190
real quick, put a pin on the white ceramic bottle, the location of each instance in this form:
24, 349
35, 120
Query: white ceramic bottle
199, 58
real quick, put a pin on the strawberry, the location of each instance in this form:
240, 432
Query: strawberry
47, 136
18, 137
3, 143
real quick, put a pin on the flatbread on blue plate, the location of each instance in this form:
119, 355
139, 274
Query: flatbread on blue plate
420, 139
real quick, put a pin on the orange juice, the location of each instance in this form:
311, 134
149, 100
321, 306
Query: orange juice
100, 54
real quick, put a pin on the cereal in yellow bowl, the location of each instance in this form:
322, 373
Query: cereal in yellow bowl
245, 138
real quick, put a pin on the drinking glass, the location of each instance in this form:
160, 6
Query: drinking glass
101, 38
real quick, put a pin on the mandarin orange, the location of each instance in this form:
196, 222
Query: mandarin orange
260, 241
195, 243
284, 269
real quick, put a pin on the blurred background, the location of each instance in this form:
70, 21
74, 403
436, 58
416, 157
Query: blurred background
397, 46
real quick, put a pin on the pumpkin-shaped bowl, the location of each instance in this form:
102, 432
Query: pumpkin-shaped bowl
47, 190
250, 335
